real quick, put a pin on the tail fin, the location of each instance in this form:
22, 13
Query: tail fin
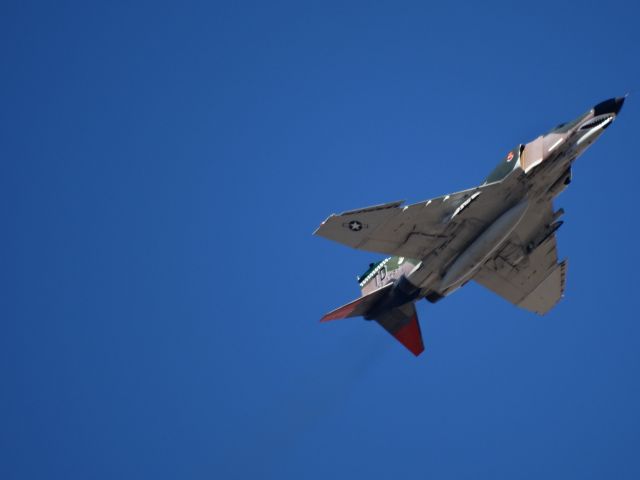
402, 323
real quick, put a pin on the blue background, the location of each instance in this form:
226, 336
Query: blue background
163, 168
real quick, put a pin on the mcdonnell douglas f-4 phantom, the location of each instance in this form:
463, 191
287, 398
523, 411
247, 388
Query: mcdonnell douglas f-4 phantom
500, 234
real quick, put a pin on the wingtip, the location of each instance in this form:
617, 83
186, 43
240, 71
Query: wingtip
324, 222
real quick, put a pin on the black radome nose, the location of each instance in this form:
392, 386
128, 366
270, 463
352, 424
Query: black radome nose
613, 105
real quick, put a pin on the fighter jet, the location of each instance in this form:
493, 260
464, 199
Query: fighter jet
500, 234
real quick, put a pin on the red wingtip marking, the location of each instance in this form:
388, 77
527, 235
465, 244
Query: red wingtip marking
411, 336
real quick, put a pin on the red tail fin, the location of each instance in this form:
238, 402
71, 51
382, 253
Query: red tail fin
402, 323
411, 337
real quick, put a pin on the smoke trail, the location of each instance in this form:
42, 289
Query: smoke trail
307, 400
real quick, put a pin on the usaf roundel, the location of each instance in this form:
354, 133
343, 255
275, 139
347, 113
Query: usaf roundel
355, 226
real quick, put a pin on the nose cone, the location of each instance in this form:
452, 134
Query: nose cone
613, 105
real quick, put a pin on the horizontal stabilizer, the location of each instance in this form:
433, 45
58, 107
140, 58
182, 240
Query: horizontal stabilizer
402, 323
359, 306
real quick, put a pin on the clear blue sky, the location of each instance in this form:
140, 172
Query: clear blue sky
163, 168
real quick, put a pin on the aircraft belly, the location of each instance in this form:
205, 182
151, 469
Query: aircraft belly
482, 247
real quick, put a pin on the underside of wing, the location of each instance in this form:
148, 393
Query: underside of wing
414, 230
525, 271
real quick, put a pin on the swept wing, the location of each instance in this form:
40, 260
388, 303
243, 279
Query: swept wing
525, 271
414, 230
